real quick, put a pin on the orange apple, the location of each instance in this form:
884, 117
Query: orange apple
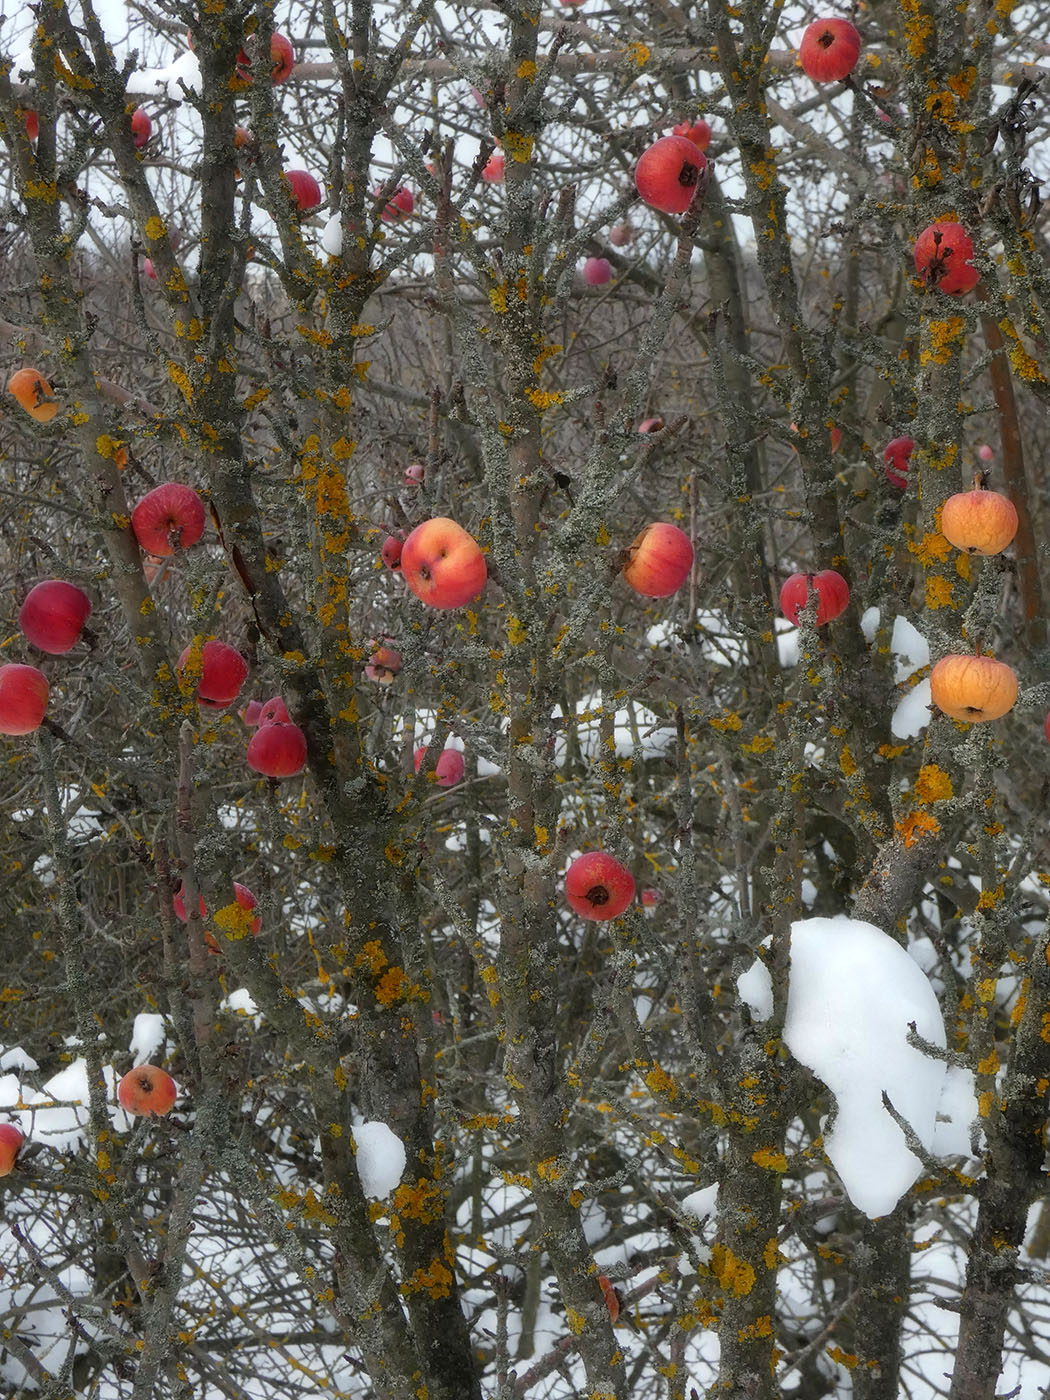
443, 564
147, 1090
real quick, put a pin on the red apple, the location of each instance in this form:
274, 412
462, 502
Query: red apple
667, 173
282, 58
832, 592
829, 50
167, 518
392, 547
251, 712
620, 235
223, 670
244, 898
278, 750
23, 698
449, 768
597, 271
986, 453
650, 898
399, 205
147, 1090
415, 473
658, 560
11, 1140
698, 132
944, 258
896, 459
598, 887
304, 189
383, 665
149, 269
493, 171
274, 711
141, 126
32, 122
443, 564
53, 615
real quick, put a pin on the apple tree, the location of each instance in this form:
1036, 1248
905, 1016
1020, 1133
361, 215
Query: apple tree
523, 700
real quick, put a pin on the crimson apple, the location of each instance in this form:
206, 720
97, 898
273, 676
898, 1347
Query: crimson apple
944, 258
896, 459
448, 770
832, 592
829, 50
11, 1140
167, 518
698, 132
223, 670
23, 698
251, 712
598, 887
277, 750
986, 453
399, 205
443, 564
493, 171
149, 269
650, 898
597, 271
53, 615
415, 474
241, 893
668, 172
141, 126
32, 122
620, 235
282, 59
147, 1090
304, 189
658, 560
392, 548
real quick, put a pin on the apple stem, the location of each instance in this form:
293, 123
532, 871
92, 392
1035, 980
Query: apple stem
980, 482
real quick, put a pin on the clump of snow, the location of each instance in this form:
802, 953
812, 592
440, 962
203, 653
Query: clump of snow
147, 1037
910, 647
380, 1157
869, 623
912, 714
703, 1203
787, 642
331, 237
172, 82
853, 995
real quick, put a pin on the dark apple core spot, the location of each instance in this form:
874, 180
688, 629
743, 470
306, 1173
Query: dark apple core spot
974, 710
424, 572
145, 1084
689, 174
597, 894
826, 39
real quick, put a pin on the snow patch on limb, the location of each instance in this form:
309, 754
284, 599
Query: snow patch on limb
854, 995
380, 1156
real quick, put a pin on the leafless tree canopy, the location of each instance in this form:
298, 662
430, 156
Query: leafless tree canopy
327, 379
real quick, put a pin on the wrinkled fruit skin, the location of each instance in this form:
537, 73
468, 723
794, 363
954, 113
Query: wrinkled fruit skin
598, 887
668, 172
829, 50
53, 615
832, 591
659, 560
168, 517
24, 694
896, 458
944, 258
973, 689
